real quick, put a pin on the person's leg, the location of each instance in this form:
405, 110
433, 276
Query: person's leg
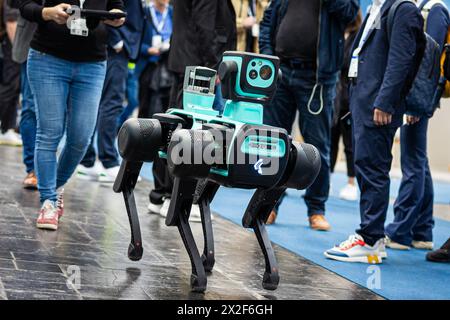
111, 108
373, 160
27, 121
49, 79
423, 228
281, 113
132, 96
316, 130
9, 90
145, 95
335, 137
408, 205
347, 137
176, 92
84, 100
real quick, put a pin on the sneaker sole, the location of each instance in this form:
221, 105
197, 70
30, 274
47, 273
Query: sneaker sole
373, 259
395, 247
153, 209
46, 226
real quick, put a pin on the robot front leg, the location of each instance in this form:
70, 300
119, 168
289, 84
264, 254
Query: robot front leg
125, 182
259, 208
205, 192
178, 215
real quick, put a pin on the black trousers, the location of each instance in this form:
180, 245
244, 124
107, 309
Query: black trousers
9, 89
342, 128
151, 102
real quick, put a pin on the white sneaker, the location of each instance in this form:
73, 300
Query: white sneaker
154, 208
91, 174
349, 193
423, 245
10, 138
354, 249
165, 208
195, 215
109, 175
394, 245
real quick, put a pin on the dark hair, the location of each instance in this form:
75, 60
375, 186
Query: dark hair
356, 24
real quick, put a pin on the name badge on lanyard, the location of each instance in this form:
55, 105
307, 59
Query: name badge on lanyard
157, 39
354, 64
78, 25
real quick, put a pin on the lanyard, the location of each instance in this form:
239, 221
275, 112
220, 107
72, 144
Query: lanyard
82, 3
159, 26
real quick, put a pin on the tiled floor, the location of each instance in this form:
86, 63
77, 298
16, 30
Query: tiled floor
92, 242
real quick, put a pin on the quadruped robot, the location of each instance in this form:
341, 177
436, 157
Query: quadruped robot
205, 150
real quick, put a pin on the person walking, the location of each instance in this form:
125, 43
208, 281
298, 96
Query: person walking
66, 71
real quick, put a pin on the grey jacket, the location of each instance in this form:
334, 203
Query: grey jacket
24, 35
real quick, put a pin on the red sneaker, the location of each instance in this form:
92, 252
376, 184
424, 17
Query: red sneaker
48, 216
60, 203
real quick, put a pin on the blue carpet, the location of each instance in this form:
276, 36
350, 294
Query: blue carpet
404, 275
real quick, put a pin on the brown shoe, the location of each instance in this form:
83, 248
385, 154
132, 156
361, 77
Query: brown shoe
30, 181
272, 218
319, 223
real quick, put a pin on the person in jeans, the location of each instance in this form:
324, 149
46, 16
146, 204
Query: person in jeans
342, 122
66, 74
308, 36
413, 209
382, 68
123, 45
9, 77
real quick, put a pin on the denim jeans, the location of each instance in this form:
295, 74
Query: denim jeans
27, 121
67, 96
111, 107
298, 91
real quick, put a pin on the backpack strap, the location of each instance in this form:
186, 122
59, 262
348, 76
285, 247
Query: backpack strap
391, 16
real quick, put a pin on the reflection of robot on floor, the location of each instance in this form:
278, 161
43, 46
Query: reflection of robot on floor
205, 150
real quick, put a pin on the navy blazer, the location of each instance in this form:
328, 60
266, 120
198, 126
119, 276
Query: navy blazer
131, 32
383, 69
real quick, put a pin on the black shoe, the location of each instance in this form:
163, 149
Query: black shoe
440, 255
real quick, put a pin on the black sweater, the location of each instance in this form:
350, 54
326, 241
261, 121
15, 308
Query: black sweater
56, 40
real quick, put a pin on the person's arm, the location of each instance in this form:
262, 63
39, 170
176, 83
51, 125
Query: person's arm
204, 16
265, 29
408, 25
345, 10
34, 11
437, 24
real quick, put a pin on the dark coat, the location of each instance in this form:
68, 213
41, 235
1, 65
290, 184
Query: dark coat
384, 68
202, 31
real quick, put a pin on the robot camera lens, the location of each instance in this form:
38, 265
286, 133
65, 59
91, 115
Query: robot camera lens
253, 74
265, 72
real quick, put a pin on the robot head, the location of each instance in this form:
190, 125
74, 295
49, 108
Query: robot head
249, 77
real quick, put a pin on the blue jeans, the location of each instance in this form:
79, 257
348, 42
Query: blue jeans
111, 107
67, 96
295, 92
413, 208
27, 121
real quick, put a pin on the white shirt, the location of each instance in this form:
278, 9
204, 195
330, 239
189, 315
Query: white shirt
372, 21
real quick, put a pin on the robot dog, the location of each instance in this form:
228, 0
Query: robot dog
205, 150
